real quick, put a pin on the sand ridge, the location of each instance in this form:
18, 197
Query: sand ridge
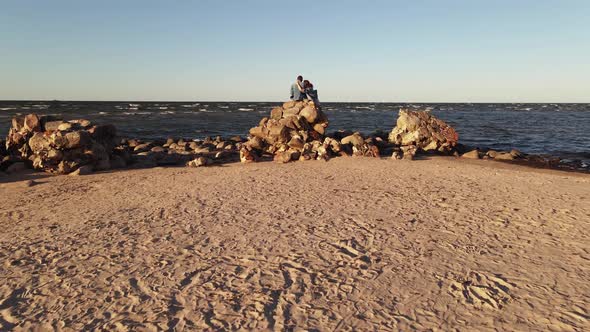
349, 244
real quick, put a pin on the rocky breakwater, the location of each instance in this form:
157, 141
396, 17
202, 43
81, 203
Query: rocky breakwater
59, 146
172, 151
420, 131
297, 131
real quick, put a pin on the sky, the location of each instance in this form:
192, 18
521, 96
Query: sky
363, 51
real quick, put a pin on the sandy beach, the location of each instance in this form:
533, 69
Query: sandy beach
438, 244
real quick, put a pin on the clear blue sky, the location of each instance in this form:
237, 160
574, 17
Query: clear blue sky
421, 50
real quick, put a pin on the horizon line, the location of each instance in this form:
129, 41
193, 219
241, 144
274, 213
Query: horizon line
275, 101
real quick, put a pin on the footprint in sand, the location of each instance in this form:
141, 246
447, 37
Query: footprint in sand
481, 290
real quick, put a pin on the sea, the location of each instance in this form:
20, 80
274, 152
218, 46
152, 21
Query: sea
560, 130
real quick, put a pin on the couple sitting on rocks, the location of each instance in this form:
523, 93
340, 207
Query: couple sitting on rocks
301, 90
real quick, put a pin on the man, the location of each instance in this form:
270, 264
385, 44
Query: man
297, 89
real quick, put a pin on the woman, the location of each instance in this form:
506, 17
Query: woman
311, 93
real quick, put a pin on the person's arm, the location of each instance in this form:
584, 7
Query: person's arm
300, 87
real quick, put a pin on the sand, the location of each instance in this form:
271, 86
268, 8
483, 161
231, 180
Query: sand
350, 244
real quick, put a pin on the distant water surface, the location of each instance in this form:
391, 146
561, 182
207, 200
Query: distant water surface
562, 130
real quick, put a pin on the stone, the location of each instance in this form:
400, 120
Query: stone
319, 128
516, 154
32, 122
236, 139
283, 157
409, 152
247, 155
309, 113
258, 132
289, 104
279, 133
193, 145
492, 153
396, 155
158, 149
16, 167
291, 111
256, 143
199, 161
18, 123
64, 126
504, 156
52, 125
76, 139
202, 150
355, 139
142, 147
296, 143
132, 143
55, 155
81, 122
117, 162
276, 113
474, 154
82, 170
39, 142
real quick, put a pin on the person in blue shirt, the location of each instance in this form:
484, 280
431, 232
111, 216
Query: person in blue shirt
297, 92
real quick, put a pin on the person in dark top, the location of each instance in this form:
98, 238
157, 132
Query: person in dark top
297, 89
311, 93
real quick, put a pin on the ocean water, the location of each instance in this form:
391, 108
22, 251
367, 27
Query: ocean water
561, 130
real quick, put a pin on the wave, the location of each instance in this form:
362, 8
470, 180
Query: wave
245, 109
135, 113
7, 108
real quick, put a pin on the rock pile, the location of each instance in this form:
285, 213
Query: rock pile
60, 146
420, 131
293, 131
297, 131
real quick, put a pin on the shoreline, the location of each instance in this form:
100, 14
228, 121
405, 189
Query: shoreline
352, 243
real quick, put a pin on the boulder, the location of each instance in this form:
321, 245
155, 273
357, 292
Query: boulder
310, 113
82, 170
504, 156
474, 154
76, 139
199, 161
355, 139
276, 113
32, 122
424, 131
16, 167
142, 147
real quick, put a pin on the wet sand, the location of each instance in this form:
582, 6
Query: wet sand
349, 244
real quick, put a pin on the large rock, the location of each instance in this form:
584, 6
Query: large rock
422, 130
57, 146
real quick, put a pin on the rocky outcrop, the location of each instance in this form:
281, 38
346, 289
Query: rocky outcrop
424, 132
60, 146
297, 131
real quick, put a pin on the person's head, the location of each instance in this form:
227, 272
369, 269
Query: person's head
307, 84
300, 78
